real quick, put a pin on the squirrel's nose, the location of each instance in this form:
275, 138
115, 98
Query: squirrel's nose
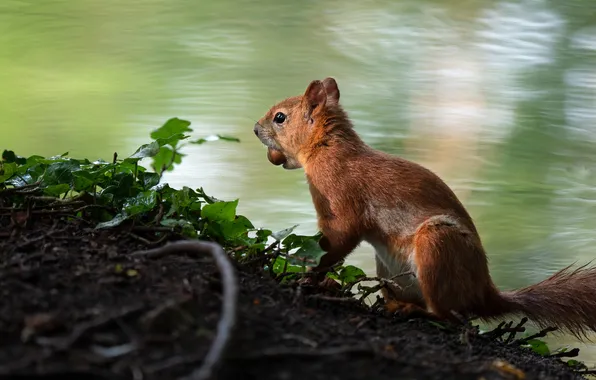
256, 130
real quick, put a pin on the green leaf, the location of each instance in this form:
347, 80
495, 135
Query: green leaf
83, 180
350, 273
309, 254
56, 190
280, 263
293, 241
182, 198
576, 364
149, 179
163, 161
233, 229
7, 170
187, 227
143, 202
171, 127
280, 235
145, 150
172, 140
538, 346
119, 218
262, 235
215, 138
220, 211
122, 186
60, 172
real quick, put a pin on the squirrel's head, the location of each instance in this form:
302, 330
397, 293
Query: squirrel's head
292, 128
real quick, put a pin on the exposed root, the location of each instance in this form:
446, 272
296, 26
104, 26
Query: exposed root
230, 297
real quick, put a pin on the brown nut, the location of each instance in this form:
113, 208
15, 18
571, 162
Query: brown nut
276, 157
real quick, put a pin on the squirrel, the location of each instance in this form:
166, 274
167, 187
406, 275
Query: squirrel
422, 235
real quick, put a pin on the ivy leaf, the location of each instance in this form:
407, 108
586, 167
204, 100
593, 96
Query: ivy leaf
143, 202
220, 211
262, 235
83, 180
145, 150
116, 221
350, 273
7, 170
172, 140
122, 186
56, 190
165, 159
280, 263
293, 241
59, 173
308, 254
186, 226
280, 235
538, 346
171, 132
231, 230
576, 364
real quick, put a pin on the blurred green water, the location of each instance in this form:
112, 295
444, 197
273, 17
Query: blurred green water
499, 98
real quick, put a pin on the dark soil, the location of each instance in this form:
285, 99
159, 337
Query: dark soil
76, 306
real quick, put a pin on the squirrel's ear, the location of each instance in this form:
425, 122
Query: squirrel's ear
315, 95
332, 90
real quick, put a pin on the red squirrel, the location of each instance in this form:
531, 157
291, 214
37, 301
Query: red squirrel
411, 217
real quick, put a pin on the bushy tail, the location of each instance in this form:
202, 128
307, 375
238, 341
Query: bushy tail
566, 300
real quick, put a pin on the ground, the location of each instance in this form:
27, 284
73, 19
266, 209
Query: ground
75, 304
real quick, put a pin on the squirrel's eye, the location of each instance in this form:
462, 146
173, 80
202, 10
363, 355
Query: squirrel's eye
279, 118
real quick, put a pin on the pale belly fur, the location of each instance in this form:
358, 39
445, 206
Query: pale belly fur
410, 288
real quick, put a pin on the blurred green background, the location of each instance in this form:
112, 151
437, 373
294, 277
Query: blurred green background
499, 98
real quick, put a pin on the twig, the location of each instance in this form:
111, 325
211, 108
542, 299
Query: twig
504, 328
388, 284
160, 240
139, 238
540, 334
230, 297
63, 343
41, 237
382, 281
258, 259
236, 249
152, 229
160, 213
517, 329
293, 352
304, 340
496, 332
21, 189
322, 297
586, 372
567, 354
90, 206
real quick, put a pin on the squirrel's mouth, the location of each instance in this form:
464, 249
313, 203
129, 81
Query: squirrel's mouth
266, 139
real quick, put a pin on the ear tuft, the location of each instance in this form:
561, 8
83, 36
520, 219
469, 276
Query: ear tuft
315, 94
331, 90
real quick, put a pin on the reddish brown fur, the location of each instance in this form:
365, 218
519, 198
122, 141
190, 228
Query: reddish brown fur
412, 218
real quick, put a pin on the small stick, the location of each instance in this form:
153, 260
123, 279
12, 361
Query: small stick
518, 328
568, 354
230, 297
540, 334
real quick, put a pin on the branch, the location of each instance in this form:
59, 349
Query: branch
230, 297
540, 334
